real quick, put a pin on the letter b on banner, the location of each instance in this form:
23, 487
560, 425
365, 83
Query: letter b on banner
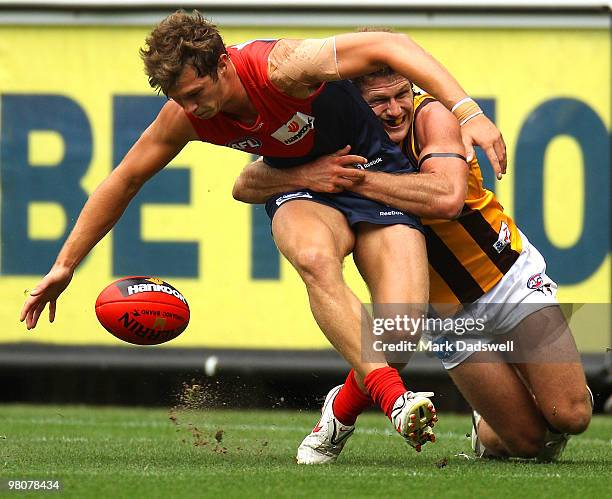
22, 183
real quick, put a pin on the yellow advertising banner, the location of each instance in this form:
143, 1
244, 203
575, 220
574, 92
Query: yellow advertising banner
73, 99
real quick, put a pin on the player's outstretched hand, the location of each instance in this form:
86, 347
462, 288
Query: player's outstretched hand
334, 172
46, 291
481, 131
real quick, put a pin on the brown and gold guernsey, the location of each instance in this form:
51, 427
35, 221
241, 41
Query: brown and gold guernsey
470, 254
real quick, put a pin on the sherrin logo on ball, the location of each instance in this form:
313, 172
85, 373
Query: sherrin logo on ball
142, 310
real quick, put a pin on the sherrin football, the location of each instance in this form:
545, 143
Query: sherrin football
142, 310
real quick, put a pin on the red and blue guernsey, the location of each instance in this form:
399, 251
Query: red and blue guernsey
290, 131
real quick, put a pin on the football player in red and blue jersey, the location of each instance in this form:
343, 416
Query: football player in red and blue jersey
285, 100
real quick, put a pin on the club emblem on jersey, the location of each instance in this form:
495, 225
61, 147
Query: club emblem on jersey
535, 281
504, 238
245, 143
295, 129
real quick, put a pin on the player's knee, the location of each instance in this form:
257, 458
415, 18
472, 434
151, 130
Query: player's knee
317, 266
572, 416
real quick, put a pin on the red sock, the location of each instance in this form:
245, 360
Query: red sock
385, 386
350, 401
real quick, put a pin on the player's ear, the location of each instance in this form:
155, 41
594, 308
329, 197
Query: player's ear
222, 64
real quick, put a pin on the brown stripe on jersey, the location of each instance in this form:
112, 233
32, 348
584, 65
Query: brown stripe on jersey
445, 263
468, 252
485, 236
439, 292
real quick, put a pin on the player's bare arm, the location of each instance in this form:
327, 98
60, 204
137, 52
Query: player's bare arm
330, 173
161, 142
439, 190
297, 67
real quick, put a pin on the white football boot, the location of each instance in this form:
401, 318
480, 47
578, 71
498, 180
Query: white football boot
553, 447
477, 446
479, 449
413, 416
327, 438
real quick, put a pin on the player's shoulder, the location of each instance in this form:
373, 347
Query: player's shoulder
253, 48
429, 112
255, 43
173, 124
434, 124
171, 113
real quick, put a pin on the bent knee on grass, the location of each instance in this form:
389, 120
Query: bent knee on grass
569, 415
561, 395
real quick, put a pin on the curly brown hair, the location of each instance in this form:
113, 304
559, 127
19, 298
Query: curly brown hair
181, 39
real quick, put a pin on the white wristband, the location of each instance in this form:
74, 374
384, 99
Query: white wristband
470, 117
462, 101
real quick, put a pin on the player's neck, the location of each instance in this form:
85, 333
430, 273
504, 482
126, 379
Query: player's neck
239, 106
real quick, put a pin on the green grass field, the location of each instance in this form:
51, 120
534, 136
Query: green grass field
117, 452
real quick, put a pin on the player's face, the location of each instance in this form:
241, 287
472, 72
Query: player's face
390, 97
201, 96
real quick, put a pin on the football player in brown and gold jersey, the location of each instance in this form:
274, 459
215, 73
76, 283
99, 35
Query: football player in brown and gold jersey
526, 404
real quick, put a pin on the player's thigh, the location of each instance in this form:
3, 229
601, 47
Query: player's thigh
308, 233
494, 389
554, 372
392, 259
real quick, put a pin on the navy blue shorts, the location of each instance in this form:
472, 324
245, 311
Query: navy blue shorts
355, 208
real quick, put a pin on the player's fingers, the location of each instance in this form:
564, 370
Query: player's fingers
494, 160
500, 149
342, 152
52, 308
28, 306
36, 315
351, 159
469, 148
352, 173
24, 312
28, 318
33, 314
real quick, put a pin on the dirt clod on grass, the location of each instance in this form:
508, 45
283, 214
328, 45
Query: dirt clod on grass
192, 399
219, 436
